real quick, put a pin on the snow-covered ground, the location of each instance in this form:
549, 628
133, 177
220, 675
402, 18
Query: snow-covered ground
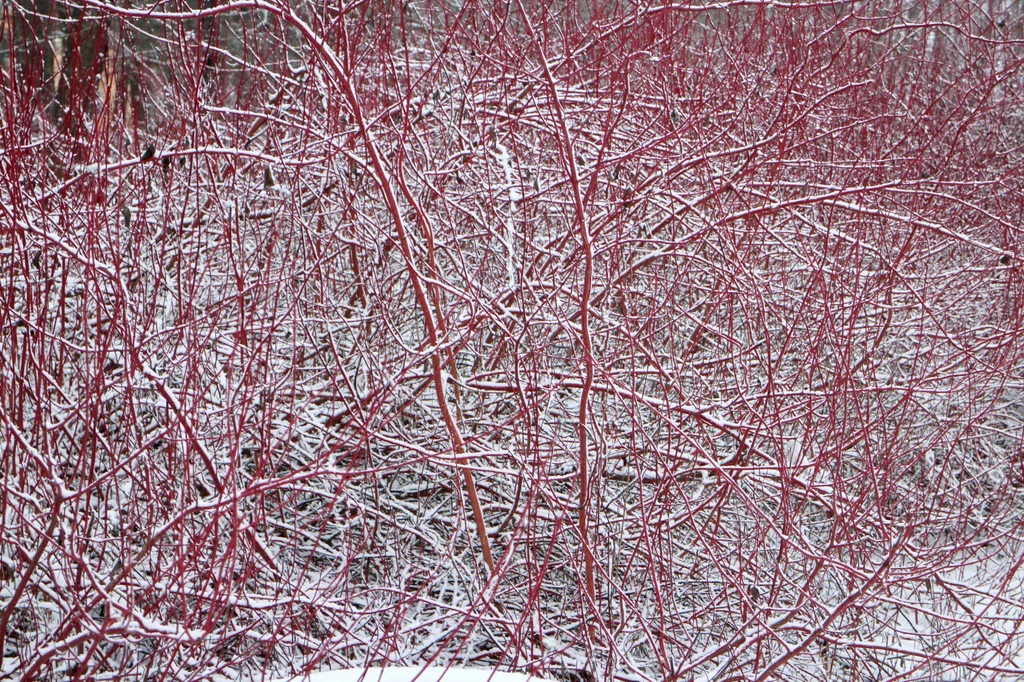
414, 674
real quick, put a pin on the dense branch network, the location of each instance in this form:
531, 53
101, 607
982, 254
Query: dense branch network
659, 341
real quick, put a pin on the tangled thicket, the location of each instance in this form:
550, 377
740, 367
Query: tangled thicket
662, 341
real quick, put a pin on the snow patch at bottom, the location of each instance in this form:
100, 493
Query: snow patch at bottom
414, 674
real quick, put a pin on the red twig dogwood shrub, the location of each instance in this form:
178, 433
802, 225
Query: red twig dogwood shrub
636, 341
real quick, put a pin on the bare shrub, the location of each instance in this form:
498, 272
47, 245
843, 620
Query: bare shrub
655, 341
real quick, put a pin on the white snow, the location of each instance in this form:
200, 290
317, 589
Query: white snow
414, 674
